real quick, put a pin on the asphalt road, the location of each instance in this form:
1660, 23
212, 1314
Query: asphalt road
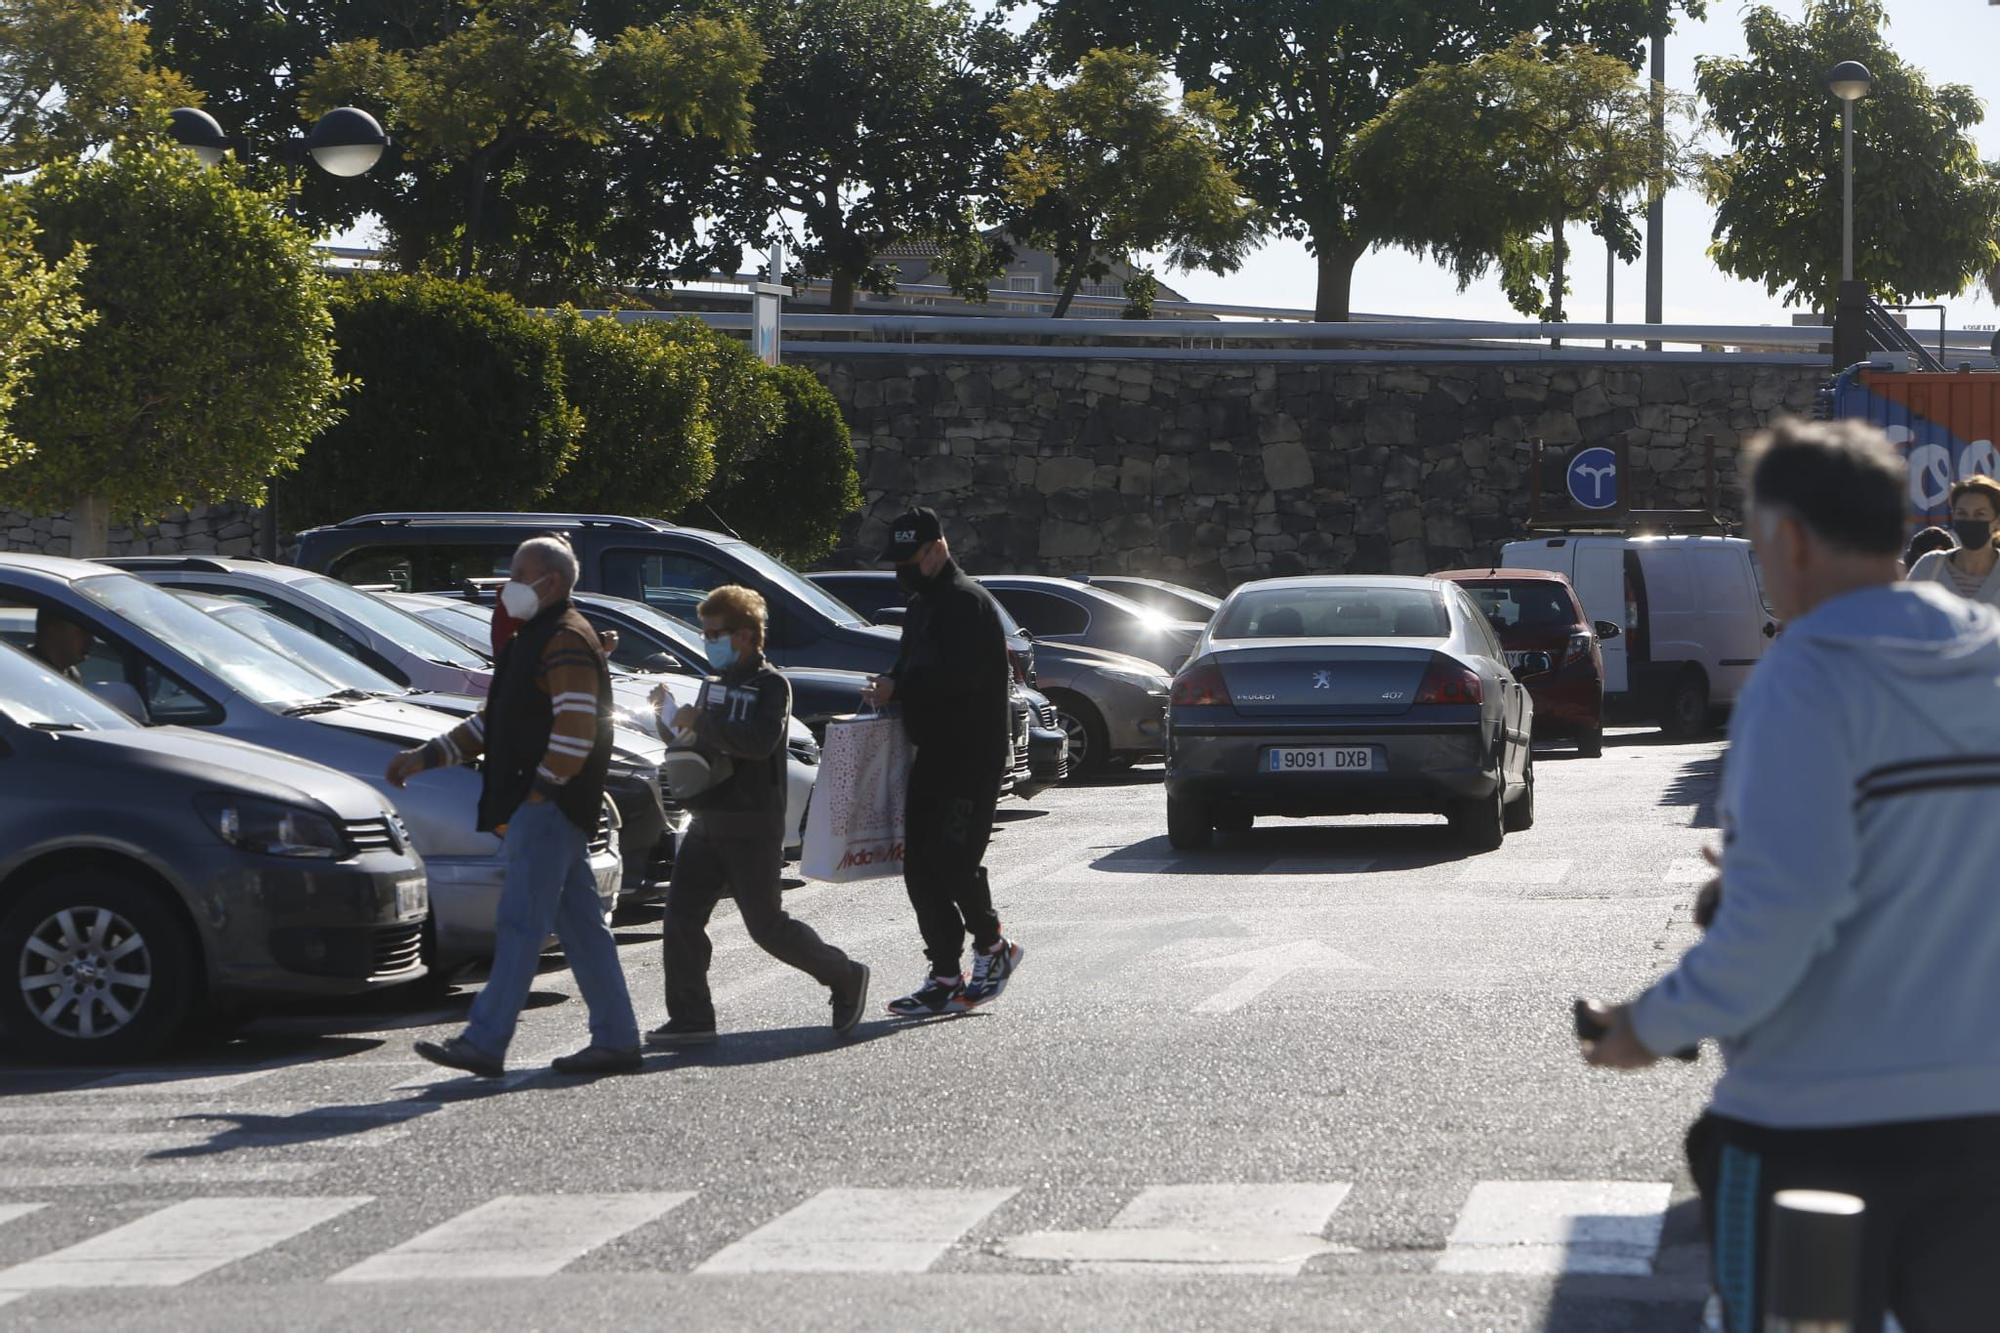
1321, 1076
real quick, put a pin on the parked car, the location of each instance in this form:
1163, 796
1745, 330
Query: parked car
1172, 600
1062, 611
1536, 611
1111, 708
649, 827
230, 872
1349, 695
163, 662
1692, 613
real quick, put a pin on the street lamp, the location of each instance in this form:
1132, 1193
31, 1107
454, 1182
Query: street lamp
346, 141
1850, 81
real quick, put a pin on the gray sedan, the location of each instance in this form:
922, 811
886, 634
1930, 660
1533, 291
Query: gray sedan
1063, 611
1349, 695
1112, 707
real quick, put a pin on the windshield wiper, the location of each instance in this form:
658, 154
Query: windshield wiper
55, 726
332, 703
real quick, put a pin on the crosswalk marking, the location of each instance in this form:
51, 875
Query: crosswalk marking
1222, 1229
177, 1244
442, 1077
515, 1235
35, 1113
10, 1211
172, 1171
860, 1231
1609, 1227
219, 1138
1529, 874
179, 1083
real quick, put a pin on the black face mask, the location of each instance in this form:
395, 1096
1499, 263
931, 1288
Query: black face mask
910, 578
1972, 533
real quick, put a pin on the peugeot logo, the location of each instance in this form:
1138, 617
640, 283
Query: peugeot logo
1322, 680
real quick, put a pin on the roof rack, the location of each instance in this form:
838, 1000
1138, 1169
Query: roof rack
512, 517
1622, 519
207, 564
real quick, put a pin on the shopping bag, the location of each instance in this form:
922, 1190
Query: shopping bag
855, 828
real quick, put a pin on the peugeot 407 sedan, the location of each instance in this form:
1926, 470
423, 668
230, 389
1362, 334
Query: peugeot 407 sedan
1343, 696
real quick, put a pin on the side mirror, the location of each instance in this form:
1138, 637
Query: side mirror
1606, 630
123, 698
1534, 664
892, 615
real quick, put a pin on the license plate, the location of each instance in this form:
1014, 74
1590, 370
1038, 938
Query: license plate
1320, 759
411, 898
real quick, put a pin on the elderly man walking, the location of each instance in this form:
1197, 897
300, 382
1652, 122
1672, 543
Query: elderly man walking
545, 734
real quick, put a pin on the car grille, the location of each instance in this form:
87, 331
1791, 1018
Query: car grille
604, 835
374, 835
397, 949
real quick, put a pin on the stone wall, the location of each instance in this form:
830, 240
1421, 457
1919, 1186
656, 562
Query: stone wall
1213, 472
214, 529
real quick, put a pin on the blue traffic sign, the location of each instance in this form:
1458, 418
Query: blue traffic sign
1593, 478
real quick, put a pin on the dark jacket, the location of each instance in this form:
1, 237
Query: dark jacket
744, 713
952, 677
519, 716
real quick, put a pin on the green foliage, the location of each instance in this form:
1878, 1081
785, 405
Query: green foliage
874, 124
1926, 209
648, 443
790, 496
1141, 290
40, 309
207, 368
1106, 166
743, 402
73, 75
1475, 161
461, 405
1305, 78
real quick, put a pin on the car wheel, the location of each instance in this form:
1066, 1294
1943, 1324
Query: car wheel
98, 970
1590, 745
1481, 824
1188, 825
1520, 816
1079, 720
1686, 714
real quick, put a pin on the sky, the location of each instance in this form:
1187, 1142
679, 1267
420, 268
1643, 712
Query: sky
1952, 41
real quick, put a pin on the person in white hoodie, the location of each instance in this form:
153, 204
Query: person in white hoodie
1852, 966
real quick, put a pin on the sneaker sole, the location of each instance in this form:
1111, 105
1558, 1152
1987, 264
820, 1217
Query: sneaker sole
860, 1006
1015, 954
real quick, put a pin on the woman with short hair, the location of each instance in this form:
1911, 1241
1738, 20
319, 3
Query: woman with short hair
1973, 569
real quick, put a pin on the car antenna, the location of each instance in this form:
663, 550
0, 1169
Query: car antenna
718, 521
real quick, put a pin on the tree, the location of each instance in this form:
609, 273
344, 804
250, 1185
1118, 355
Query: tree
648, 442
875, 124
207, 368
790, 496
1105, 166
461, 405
1491, 156
40, 309
1926, 209
1305, 78
515, 73
73, 75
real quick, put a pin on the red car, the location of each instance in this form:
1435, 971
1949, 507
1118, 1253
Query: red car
1536, 611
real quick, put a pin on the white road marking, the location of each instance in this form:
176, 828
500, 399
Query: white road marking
10, 1211
208, 1112
1266, 967
177, 1244
180, 1083
221, 1137
1607, 1227
860, 1231
172, 1172
1688, 870
1238, 1230
442, 1077
1533, 874
515, 1235
6, 1296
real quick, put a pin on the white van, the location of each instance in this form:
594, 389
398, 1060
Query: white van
1691, 612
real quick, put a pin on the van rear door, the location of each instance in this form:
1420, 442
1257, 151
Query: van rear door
1733, 631
1599, 579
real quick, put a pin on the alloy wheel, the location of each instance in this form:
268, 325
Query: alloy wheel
85, 972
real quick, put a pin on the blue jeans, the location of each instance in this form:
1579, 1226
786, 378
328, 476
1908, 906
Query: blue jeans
549, 884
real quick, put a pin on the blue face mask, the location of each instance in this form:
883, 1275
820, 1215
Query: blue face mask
721, 653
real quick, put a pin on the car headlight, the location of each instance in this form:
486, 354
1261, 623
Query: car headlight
271, 828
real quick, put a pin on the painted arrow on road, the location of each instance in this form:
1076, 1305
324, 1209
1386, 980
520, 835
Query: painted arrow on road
1265, 968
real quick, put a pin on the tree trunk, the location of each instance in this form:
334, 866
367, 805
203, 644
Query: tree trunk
840, 300
1075, 260
1610, 284
1334, 302
89, 527
1557, 275
475, 214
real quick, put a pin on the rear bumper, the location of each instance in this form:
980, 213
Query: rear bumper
465, 899
1569, 703
1420, 772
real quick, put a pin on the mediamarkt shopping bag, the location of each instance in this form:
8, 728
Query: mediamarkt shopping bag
855, 830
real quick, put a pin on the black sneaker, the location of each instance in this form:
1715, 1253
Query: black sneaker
849, 1001
680, 1032
593, 1060
458, 1053
935, 996
991, 971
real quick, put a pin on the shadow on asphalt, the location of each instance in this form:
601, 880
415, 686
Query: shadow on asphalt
771, 1045
1343, 849
1016, 814
1698, 784
1143, 775
1606, 1303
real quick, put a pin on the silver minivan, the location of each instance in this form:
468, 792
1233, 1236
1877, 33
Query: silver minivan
164, 662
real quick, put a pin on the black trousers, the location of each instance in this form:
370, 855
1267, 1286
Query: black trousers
1931, 1231
948, 820
709, 869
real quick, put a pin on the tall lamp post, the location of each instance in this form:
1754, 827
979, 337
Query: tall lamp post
346, 141
1849, 81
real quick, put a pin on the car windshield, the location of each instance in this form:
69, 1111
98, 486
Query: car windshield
247, 666
306, 648
1105, 599
393, 623
470, 624
1523, 603
35, 696
797, 584
659, 624
1181, 603
1358, 612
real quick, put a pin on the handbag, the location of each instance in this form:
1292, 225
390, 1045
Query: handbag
691, 774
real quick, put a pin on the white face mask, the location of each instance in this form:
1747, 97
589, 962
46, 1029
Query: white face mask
520, 599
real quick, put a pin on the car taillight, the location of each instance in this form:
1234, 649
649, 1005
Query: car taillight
1580, 642
1449, 682
1201, 686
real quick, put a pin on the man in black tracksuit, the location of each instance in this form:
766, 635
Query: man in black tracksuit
951, 679
735, 845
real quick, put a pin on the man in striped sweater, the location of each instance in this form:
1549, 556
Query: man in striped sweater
545, 740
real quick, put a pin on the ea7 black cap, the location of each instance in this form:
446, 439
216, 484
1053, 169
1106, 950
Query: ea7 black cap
910, 532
